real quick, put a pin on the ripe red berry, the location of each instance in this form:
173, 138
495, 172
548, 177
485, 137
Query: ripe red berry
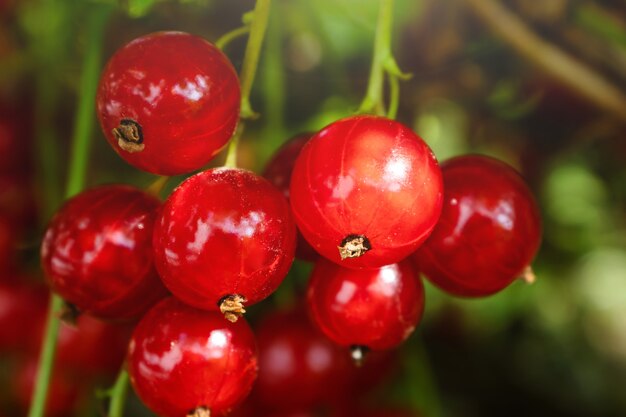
92, 348
97, 252
365, 309
489, 232
15, 140
21, 303
17, 200
8, 242
187, 362
299, 368
278, 171
168, 102
224, 237
64, 392
366, 191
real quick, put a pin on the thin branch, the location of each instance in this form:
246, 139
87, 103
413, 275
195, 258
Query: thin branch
564, 68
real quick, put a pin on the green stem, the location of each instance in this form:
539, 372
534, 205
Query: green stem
75, 182
156, 187
227, 38
48, 154
46, 358
85, 113
231, 156
251, 57
373, 100
394, 96
118, 394
273, 87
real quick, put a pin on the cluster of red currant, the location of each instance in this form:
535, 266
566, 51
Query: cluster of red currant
366, 194
91, 351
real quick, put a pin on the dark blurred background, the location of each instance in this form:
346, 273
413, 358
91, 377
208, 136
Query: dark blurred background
538, 84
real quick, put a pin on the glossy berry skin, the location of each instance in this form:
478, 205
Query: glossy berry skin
181, 358
168, 102
489, 231
376, 308
299, 368
371, 178
97, 252
278, 171
224, 232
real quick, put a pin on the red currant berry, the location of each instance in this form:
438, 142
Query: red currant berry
278, 172
64, 391
168, 102
366, 191
224, 237
184, 361
97, 252
21, 303
14, 142
8, 240
366, 309
299, 368
92, 348
17, 200
489, 232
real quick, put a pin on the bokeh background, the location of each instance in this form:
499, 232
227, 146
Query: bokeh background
538, 84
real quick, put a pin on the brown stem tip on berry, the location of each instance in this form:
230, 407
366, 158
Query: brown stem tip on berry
358, 354
232, 307
528, 275
69, 314
200, 412
129, 136
353, 246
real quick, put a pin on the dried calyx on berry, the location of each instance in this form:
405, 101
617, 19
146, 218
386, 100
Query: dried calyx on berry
353, 246
232, 307
129, 136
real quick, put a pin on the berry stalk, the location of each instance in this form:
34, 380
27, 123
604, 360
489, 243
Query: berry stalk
383, 63
372, 102
76, 179
118, 394
258, 26
84, 121
252, 54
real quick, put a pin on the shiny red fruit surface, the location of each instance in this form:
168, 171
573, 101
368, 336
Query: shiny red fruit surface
489, 231
97, 252
369, 185
181, 359
168, 102
224, 232
278, 171
299, 368
375, 308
